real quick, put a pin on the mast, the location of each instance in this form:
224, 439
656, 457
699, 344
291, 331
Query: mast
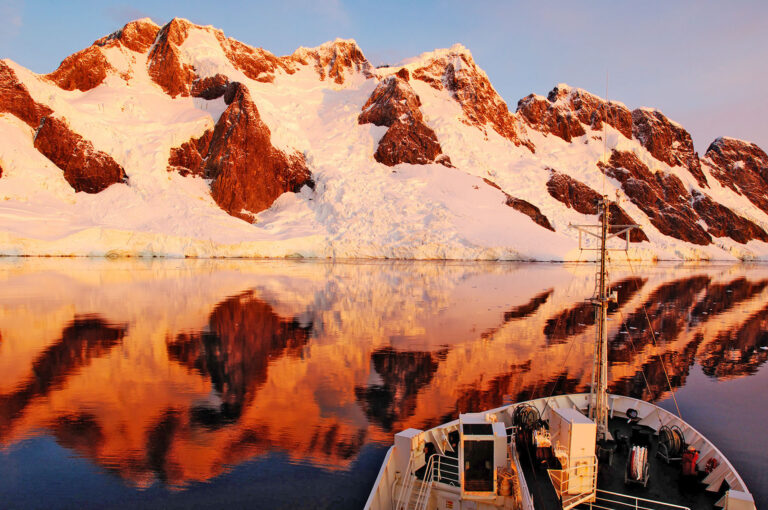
604, 232
598, 410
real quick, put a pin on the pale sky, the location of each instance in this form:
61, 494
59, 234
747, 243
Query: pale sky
702, 63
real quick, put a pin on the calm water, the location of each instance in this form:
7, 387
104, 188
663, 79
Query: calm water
279, 384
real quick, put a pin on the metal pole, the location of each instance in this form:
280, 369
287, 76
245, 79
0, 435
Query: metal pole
599, 410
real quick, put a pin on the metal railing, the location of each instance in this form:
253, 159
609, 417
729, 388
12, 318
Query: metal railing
404, 494
447, 470
624, 502
577, 483
440, 468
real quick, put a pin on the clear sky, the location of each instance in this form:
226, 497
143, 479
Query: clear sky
704, 64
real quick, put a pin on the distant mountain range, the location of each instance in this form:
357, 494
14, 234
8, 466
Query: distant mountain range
179, 141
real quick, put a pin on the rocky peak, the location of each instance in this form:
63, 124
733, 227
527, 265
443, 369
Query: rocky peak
137, 36
15, 98
592, 110
256, 63
741, 166
732, 155
455, 70
549, 117
566, 110
334, 58
83, 70
392, 98
166, 67
396, 105
248, 172
667, 141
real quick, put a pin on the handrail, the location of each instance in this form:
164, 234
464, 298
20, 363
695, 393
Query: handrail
634, 502
406, 487
427, 485
576, 483
433, 473
443, 464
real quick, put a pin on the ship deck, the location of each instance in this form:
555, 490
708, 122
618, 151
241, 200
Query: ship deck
666, 483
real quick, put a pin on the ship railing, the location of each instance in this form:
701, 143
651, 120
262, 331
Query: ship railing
446, 470
606, 500
577, 483
442, 469
403, 497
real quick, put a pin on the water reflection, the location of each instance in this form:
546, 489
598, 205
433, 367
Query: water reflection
173, 372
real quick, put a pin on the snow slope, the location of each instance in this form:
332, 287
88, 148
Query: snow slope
358, 208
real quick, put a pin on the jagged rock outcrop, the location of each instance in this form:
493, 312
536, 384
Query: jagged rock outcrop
722, 222
592, 110
15, 98
455, 70
394, 104
85, 168
741, 166
524, 207
137, 36
248, 172
667, 141
661, 196
333, 59
672, 208
547, 117
211, 87
582, 198
256, 63
573, 193
83, 70
88, 68
165, 63
566, 110
189, 159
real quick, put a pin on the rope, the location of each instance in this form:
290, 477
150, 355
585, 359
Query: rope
653, 338
605, 130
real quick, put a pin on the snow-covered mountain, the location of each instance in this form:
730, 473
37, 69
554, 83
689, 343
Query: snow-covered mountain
179, 141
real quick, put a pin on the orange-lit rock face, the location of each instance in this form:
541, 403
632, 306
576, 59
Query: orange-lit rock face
165, 64
85, 168
741, 166
566, 111
83, 70
137, 36
248, 172
15, 99
394, 104
672, 209
482, 105
584, 199
332, 60
175, 371
667, 141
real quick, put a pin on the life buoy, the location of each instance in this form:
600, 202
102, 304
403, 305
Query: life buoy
711, 465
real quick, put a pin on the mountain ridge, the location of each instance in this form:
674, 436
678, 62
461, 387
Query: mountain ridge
336, 158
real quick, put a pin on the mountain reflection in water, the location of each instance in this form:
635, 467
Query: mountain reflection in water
170, 373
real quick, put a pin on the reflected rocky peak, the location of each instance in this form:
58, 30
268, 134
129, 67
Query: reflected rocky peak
243, 335
85, 338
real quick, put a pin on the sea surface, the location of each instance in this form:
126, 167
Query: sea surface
153, 383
